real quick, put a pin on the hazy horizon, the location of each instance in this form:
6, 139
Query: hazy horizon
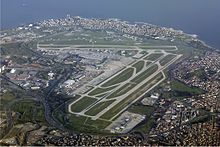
192, 16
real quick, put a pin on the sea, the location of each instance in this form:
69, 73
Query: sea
200, 17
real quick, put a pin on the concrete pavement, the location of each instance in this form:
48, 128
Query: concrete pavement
120, 98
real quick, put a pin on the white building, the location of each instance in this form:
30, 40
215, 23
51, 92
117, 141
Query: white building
13, 70
68, 83
2, 68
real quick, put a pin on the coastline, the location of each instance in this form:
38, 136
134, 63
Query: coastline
193, 37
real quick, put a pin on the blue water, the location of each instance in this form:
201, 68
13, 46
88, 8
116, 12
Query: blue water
201, 17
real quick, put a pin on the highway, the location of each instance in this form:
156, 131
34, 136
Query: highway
48, 111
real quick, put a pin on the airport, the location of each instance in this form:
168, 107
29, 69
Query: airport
114, 92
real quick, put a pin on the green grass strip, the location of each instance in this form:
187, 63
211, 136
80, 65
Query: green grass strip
82, 104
